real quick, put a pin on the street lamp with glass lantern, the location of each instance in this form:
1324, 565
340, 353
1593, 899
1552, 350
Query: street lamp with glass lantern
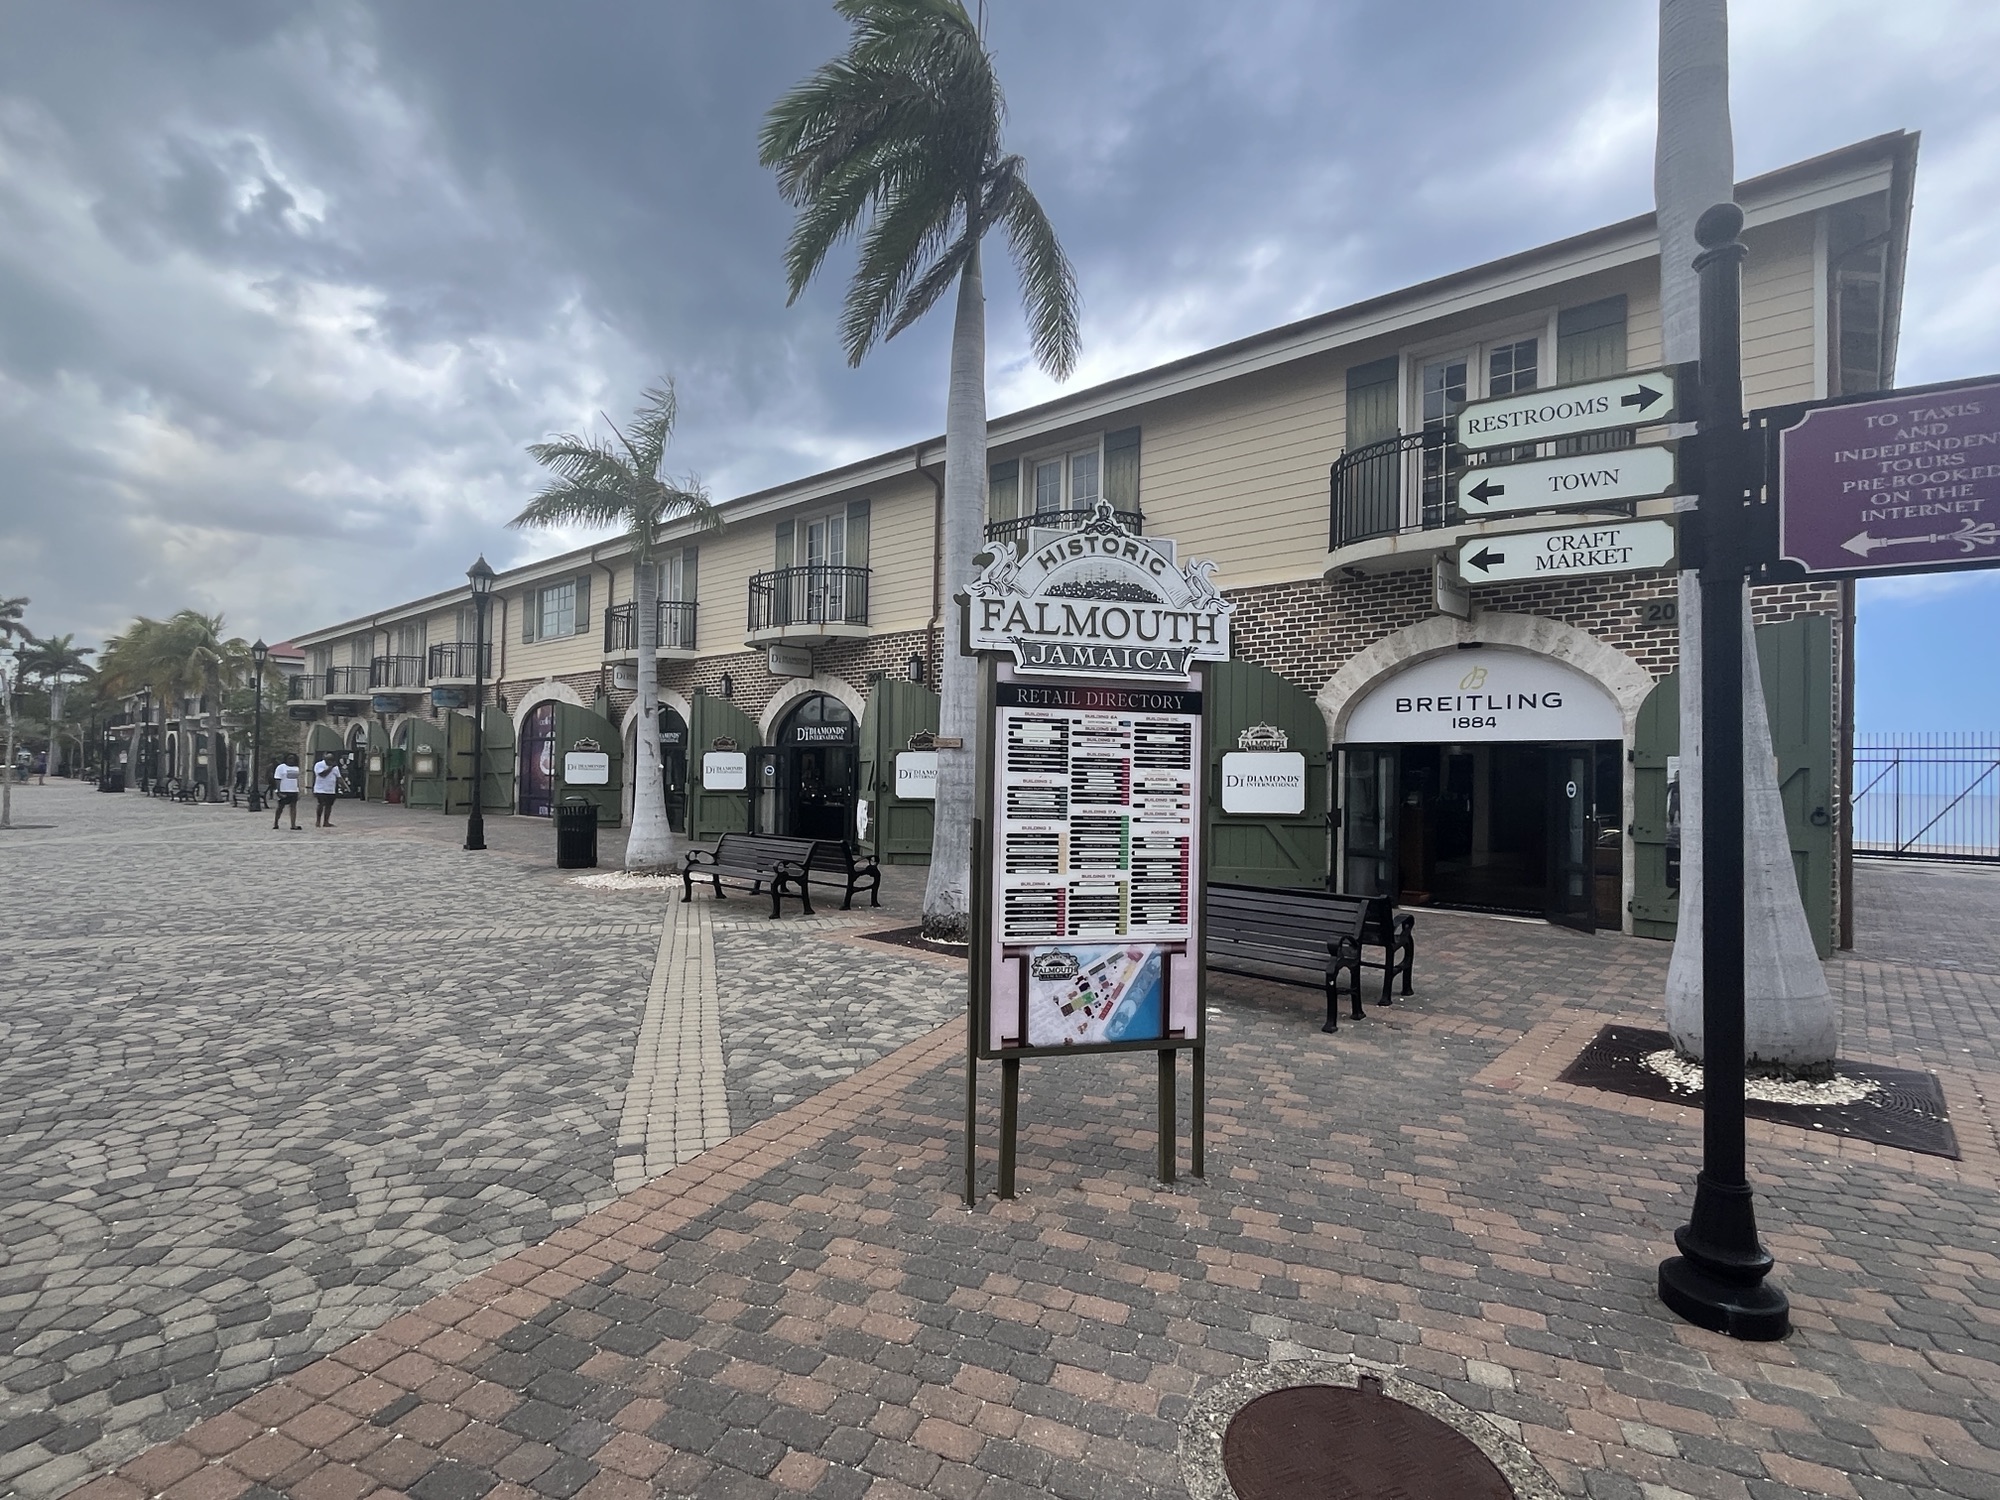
146, 740
259, 654
481, 575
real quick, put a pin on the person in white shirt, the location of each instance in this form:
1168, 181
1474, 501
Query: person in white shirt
285, 777
326, 783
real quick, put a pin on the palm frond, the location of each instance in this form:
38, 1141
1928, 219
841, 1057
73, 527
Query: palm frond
1048, 281
902, 241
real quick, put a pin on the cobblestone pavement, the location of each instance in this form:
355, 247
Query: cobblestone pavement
262, 1090
808, 1308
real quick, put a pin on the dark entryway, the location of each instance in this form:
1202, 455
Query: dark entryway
674, 766
1526, 829
538, 761
818, 746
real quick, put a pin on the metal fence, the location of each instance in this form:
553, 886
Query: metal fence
1927, 796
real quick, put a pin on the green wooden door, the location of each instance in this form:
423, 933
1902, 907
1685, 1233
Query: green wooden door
712, 814
573, 724
1265, 849
499, 760
1796, 660
457, 784
425, 781
899, 828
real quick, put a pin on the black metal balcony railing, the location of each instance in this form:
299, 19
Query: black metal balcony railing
396, 672
347, 682
815, 594
1019, 526
676, 629
304, 688
1409, 482
452, 660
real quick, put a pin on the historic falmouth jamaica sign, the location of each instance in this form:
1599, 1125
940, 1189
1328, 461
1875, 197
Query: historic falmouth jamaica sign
1097, 602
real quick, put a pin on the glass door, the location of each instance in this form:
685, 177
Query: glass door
1441, 393
1572, 835
1368, 821
826, 550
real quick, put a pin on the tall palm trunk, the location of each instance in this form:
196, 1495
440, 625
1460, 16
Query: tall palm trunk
650, 845
7, 770
1789, 1015
948, 892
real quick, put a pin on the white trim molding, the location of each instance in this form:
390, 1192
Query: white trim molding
806, 687
548, 690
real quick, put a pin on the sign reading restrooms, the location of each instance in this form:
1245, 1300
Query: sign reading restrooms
1095, 789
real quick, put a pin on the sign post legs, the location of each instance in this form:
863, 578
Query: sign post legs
1010, 1120
1200, 1108
1167, 1152
1717, 1281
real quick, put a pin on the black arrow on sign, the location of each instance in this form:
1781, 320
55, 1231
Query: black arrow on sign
1486, 558
1642, 398
1485, 490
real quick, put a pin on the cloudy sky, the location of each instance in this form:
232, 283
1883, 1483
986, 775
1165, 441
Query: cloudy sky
285, 287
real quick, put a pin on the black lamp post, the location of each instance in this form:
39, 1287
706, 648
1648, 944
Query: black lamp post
145, 740
481, 576
259, 653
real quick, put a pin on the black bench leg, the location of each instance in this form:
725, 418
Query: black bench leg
716, 881
777, 890
847, 901
806, 897
1332, 1002
687, 888
875, 894
1409, 961
1388, 976
1354, 973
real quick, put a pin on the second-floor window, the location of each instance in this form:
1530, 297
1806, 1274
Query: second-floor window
1072, 478
556, 609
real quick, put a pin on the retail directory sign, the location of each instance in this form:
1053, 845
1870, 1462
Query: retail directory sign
1093, 790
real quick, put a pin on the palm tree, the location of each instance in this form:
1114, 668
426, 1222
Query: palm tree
1789, 1015
56, 661
904, 128
11, 629
199, 662
604, 483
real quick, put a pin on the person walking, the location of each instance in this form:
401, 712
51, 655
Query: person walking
285, 777
326, 786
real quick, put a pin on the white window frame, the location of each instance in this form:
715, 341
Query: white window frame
542, 630
1064, 454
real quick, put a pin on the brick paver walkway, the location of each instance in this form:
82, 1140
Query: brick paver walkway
807, 1308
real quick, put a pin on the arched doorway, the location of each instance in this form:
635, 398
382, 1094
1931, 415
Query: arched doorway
674, 766
818, 744
354, 777
537, 767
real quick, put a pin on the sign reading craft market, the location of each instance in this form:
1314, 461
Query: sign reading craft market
1098, 602
1898, 484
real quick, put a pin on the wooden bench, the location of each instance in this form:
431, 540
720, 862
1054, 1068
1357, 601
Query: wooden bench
752, 859
832, 862
1271, 933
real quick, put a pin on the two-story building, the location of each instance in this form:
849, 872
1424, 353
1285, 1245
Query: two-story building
1316, 464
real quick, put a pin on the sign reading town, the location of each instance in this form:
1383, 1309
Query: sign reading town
1901, 484
1570, 410
1097, 602
1577, 479
1610, 547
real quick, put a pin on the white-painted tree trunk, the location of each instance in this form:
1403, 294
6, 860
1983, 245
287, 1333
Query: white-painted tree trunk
948, 892
650, 845
1789, 1016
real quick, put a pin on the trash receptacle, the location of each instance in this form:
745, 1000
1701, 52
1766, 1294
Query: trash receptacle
576, 834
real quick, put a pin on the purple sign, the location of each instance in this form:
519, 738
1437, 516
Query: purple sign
1893, 486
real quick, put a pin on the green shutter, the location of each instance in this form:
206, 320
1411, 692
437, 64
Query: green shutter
581, 625
784, 548
531, 611
857, 533
1003, 491
1121, 469
690, 563
1590, 340
1371, 402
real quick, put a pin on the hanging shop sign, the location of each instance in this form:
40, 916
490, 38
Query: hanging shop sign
1577, 479
1905, 483
916, 775
1097, 602
451, 697
386, 703
1612, 547
1490, 694
1571, 410
725, 771
585, 764
788, 661
1265, 783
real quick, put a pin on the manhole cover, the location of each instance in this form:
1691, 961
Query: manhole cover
1332, 1442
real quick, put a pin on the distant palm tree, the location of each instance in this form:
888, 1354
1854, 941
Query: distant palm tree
12, 628
904, 128
183, 657
603, 483
56, 661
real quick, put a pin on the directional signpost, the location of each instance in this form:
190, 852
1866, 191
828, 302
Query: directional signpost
1577, 480
1572, 410
1615, 547
1902, 483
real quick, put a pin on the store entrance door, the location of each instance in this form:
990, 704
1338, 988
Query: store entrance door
818, 753
1500, 827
